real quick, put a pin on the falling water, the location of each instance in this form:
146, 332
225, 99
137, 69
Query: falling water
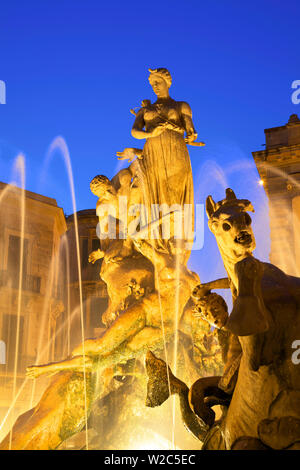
20, 167
8, 188
287, 260
60, 144
163, 329
65, 247
175, 356
44, 350
43, 353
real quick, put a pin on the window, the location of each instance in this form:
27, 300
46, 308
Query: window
84, 253
14, 258
9, 336
95, 244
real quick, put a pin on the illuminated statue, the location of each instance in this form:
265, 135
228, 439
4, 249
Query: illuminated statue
144, 325
139, 328
126, 272
260, 386
148, 282
165, 173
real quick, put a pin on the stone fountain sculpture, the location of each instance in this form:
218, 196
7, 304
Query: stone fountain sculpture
149, 284
153, 294
259, 391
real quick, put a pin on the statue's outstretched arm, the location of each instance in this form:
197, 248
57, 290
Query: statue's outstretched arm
129, 153
138, 127
186, 114
205, 288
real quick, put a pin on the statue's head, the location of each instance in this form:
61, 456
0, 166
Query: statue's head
230, 222
160, 79
101, 185
212, 308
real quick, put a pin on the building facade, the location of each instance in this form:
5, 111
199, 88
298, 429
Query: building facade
31, 226
85, 294
45, 308
279, 168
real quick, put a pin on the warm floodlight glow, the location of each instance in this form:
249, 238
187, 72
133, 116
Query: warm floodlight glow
155, 442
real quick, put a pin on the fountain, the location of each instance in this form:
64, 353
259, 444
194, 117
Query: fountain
92, 396
145, 242
260, 387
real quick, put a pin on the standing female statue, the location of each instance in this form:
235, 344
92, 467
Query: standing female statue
165, 172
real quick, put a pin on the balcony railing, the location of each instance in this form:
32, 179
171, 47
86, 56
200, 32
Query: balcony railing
29, 283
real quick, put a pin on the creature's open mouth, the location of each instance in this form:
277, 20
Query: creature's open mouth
243, 238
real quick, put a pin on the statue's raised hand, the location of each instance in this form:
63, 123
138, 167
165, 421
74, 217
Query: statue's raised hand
95, 255
191, 137
130, 154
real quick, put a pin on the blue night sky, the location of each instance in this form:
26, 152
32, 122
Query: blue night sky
75, 68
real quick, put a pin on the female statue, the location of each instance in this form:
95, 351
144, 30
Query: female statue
164, 175
165, 172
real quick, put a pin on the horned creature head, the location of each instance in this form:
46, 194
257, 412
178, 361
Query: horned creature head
230, 222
